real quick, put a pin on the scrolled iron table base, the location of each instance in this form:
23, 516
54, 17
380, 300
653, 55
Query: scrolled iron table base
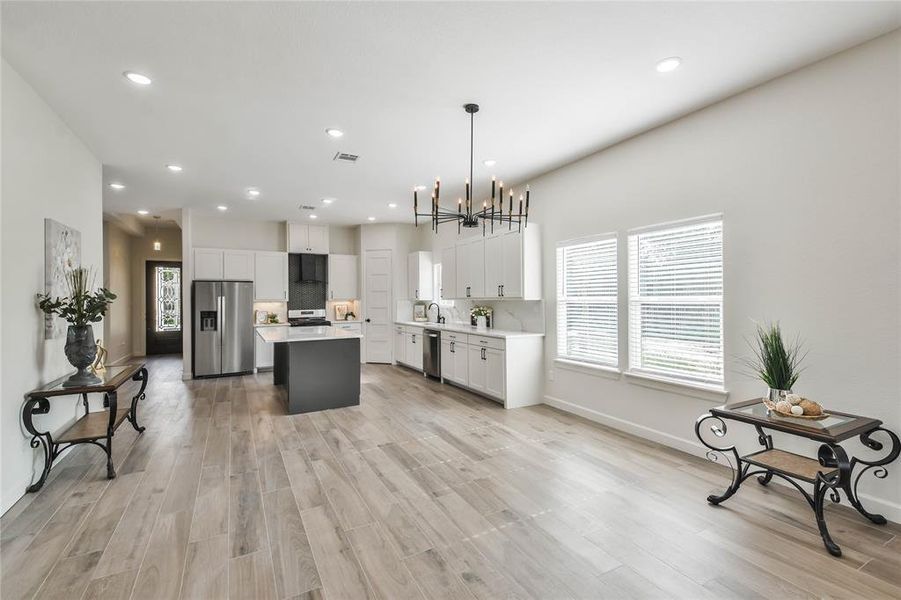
839, 473
36, 404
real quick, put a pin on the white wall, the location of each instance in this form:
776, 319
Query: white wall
214, 231
117, 330
47, 172
343, 240
805, 170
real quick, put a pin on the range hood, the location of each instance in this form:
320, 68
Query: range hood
313, 268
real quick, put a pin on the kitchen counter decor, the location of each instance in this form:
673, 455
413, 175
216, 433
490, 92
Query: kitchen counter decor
80, 308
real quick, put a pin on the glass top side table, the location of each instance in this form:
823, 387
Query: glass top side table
830, 473
91, 428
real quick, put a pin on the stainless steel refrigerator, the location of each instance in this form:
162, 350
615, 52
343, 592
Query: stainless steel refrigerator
223, 328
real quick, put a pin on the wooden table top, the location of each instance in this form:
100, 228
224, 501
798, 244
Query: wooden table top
110, 379
836, 427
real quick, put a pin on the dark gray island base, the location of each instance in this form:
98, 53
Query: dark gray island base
318, 375
318, 367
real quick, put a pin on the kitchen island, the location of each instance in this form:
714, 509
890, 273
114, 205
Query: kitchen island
319, 367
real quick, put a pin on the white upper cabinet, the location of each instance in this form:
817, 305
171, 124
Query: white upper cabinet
270, 276
307, 239
475, 268
494, 266
342, 277
504, 265
237, 265
208, 264
448, 273
471, 268
419, 276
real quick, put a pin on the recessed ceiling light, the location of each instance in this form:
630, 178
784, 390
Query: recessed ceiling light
335, 133
314, 217
143, 212
174, 168
253, 192
370, 218
137, 78
489, 162
669, 64
222, 207
328, 200
117, 186
392, 205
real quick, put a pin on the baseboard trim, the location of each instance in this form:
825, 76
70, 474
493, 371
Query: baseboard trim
890, 510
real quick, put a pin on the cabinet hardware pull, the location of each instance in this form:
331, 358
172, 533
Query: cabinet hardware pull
483, 354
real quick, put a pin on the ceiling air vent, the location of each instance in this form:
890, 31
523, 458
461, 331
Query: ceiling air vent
305, 207
344, 156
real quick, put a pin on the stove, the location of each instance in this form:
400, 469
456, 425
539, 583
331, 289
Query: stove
308, 318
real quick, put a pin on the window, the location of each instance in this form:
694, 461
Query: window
586, 301
168, 298
676, 302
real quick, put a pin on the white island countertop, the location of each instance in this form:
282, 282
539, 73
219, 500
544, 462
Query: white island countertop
465, 328
278, 335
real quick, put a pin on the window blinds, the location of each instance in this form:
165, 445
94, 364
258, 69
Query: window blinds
676, 302
586, 301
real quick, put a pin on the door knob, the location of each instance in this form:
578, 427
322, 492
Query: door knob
369, 320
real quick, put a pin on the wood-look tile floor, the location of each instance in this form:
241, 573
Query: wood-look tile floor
423, 491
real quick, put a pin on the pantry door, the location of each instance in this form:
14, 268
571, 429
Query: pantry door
377, 311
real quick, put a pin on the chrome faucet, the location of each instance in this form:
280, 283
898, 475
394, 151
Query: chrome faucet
440, 318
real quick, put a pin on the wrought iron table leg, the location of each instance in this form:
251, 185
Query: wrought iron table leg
819, 495
38, 406
133, 413
767, 442
879, 470
110, 399
738, 469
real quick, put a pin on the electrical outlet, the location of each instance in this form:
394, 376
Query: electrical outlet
550, 374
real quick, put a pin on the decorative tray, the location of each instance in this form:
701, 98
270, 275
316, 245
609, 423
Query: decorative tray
772, 408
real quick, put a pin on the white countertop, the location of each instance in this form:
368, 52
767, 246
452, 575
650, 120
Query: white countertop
464, 328
269, 324
276, 335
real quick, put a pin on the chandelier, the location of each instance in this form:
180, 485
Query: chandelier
465, 216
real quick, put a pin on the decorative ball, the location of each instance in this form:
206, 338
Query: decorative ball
783, 406
811, 408
797, 410
793, 399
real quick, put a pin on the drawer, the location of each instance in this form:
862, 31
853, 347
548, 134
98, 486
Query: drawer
416, 330
399, 329
453, 335
487, 342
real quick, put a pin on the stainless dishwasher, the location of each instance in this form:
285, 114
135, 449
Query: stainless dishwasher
431, 353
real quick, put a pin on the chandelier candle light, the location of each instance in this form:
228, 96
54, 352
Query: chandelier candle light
464, 215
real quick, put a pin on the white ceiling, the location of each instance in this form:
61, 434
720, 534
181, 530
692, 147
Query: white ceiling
242, 92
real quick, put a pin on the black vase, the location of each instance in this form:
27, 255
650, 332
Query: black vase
81, 350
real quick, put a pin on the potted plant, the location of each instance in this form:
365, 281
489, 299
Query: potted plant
80, 308
480, 311
777, 364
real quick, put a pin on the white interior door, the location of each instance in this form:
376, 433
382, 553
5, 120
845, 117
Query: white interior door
378, 332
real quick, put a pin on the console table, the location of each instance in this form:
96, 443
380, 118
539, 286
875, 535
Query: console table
93, 427
832, 471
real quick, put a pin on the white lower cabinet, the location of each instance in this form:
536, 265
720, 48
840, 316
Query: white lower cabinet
495, 373
506, 369
263, 353
400, 344
454, 361
408, 346
413, 353
477, 368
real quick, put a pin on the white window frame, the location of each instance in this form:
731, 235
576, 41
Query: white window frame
634, 303
577, 360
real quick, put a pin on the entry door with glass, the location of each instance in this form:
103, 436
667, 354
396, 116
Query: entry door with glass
163, 309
